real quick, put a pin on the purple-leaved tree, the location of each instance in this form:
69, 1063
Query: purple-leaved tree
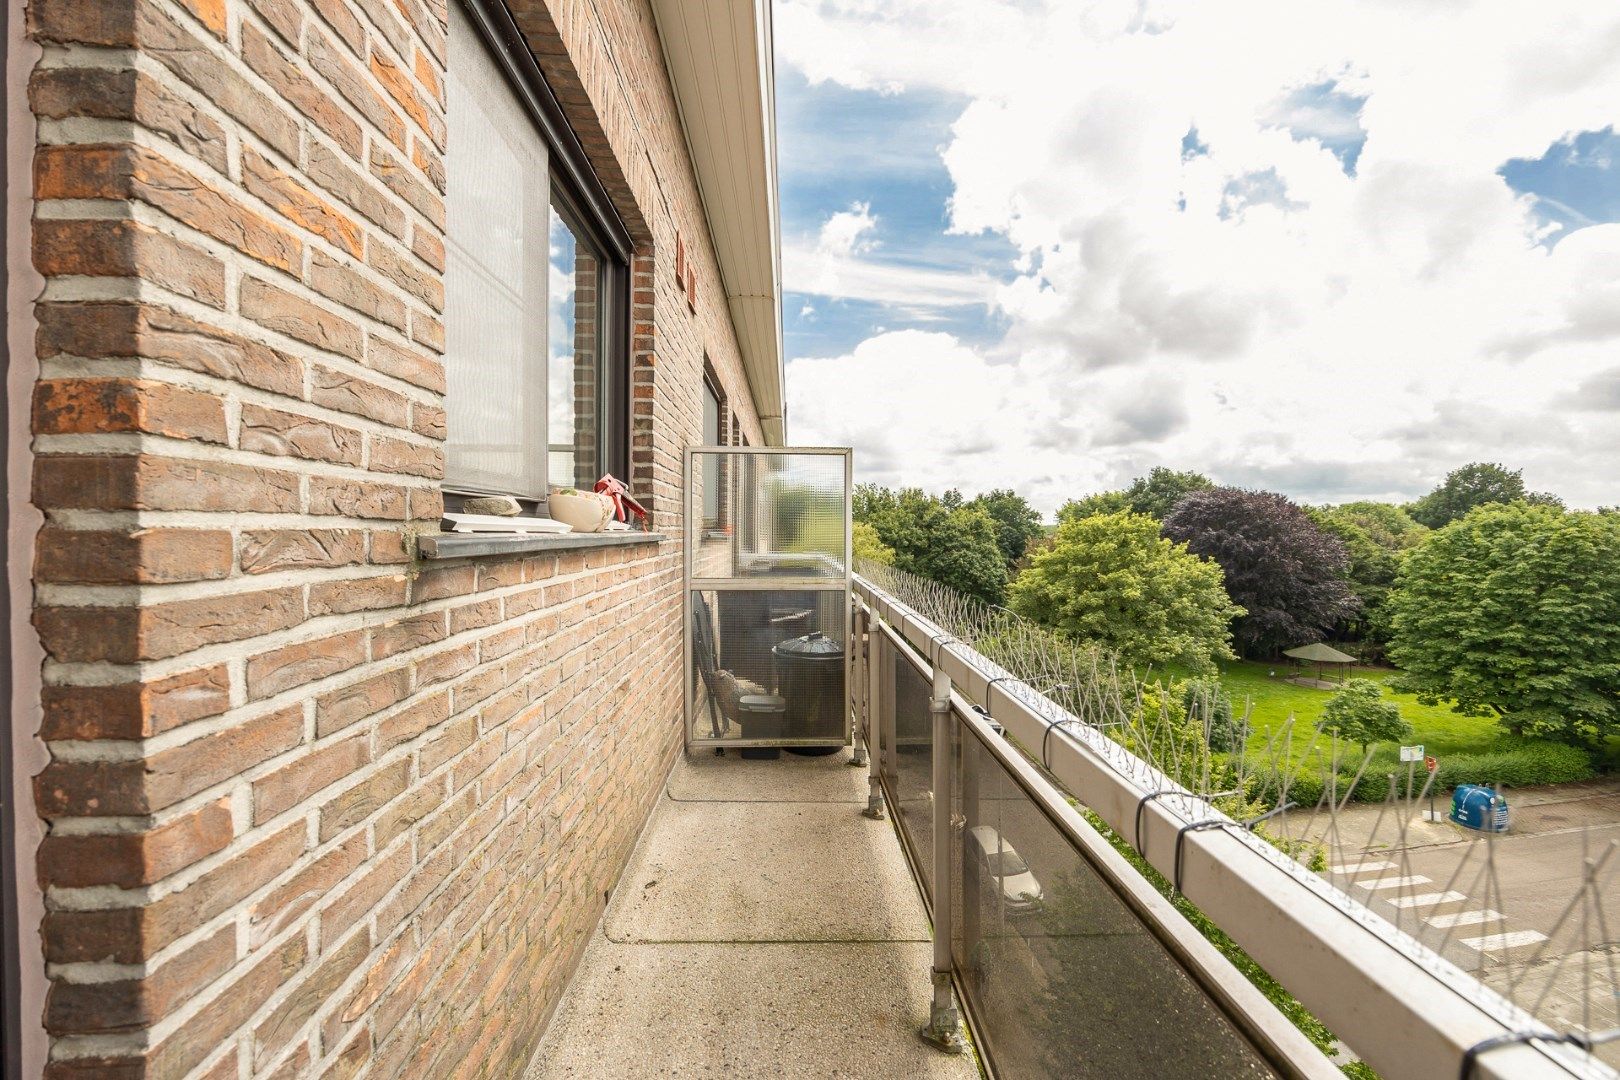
1285, 572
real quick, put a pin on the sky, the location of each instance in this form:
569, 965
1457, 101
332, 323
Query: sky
1333, 249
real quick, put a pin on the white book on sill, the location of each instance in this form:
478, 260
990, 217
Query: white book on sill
492, 523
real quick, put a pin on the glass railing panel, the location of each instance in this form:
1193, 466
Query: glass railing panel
768, 514
1063, 978
911, 784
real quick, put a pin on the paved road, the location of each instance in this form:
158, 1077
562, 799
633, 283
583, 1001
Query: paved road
1511, 908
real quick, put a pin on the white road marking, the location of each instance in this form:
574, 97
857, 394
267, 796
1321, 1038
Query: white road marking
1361, 868
1463, 918
1394, 882
1429, 899
1514, 939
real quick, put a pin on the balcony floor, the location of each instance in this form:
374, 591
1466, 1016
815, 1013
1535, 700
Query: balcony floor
762, 928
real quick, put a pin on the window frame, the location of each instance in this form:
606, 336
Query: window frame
581, 194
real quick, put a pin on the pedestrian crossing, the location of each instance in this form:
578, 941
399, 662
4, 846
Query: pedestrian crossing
1439, 909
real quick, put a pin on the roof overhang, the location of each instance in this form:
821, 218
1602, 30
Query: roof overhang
720, 59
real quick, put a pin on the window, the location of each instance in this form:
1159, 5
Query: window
713, 435
536, 291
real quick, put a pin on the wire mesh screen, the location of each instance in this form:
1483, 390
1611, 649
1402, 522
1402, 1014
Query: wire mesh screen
774, 513
768, 665
767, 538
1058, 969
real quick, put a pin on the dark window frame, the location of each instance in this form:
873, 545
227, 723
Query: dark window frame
576, 186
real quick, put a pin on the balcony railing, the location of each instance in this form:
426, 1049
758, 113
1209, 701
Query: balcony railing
1068, 961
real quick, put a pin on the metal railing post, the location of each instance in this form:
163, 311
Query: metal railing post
874, 725
858, 686
944, 1028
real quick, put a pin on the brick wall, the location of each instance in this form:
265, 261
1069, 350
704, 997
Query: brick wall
315, 807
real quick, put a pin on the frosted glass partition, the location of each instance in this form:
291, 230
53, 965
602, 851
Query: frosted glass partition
767, 549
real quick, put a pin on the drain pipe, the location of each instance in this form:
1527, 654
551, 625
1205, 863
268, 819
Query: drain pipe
944, 1028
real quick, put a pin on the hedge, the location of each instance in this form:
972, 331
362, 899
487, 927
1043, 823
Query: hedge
1529, 763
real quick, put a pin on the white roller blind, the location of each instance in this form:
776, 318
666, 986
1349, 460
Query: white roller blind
496, 267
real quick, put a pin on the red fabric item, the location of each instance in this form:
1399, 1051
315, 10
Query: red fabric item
623, 504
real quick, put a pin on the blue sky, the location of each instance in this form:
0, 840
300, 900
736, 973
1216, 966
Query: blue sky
1082, 239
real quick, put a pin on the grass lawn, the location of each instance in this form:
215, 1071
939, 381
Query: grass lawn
1440, 730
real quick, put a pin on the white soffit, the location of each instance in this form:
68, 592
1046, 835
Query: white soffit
719, 55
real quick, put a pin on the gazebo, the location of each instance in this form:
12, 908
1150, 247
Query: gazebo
1320, 655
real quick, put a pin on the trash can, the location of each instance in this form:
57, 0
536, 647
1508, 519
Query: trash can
812, 685
1475, 806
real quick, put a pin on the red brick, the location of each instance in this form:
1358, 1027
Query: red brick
279, 310
60, 93
275, 68
153, 483
271, 431
145, 786
296, 782
127, 249
281, 906
133, 172
146, 556
134, 710
356, 594
131, 1004
266, 551
97, 329
356, 394
129, 860
293, 200
357, 498
271, 672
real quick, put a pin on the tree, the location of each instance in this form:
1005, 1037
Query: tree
1515, 610
1115, 581
1359, 713
1479, 483
1287, 574
1104, 502
1207, 704
866, 544
955, 546
1155, 495
1377, 537
1017, 522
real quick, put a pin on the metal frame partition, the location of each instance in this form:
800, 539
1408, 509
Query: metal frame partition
1408, 1011
745, 550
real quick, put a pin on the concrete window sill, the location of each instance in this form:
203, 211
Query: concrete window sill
471, 545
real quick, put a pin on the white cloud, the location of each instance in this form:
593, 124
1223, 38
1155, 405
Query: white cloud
840, 264
1252, 310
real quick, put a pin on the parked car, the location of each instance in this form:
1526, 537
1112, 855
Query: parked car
1005, 869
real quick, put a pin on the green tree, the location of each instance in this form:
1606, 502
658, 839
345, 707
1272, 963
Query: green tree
1104, 502
866, 544
1377, 537
1017, 522
1207, 704
1115, 581
953, 545
1360, 713
1155, 495
1479, 483
1515, 610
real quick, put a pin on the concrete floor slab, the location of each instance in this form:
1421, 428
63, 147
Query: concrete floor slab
780, 1010
790, 778
722, 871
763, 928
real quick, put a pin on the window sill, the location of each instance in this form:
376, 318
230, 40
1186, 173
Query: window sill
471, 545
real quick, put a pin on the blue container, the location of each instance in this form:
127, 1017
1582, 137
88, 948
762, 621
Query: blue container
1475, 806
